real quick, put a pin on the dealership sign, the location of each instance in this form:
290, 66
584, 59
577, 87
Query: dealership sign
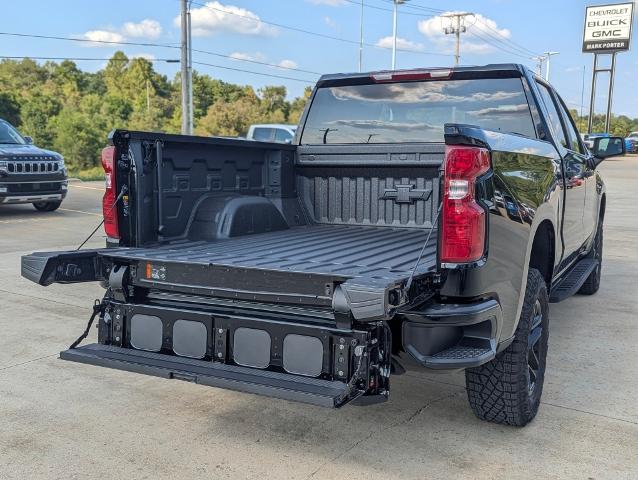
608, 28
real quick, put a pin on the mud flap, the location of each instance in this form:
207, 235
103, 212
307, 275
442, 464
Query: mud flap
45, 268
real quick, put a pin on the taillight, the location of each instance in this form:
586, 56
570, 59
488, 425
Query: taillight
109, 210
463, 219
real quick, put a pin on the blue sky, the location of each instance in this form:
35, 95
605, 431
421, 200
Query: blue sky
501, 31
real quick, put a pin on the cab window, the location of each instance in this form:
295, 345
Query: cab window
554, 117
572, 133
262, 134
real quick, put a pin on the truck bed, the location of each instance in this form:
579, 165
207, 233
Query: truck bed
378, 255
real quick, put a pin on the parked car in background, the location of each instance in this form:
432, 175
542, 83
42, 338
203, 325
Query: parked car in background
588, 138
29, 174
272, 132
631, 142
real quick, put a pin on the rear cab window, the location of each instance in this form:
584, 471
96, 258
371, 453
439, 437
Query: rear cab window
415, 111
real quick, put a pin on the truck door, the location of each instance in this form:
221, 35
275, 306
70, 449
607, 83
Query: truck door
577, 150
574, 171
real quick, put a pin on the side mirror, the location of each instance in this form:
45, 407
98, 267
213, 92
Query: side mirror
29, 140
605, 147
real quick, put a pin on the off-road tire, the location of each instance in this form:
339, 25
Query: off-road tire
508, 389
47, 206
592, 284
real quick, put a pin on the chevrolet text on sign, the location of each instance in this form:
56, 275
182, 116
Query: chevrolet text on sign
608, 28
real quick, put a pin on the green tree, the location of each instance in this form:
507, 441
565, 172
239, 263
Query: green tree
9, 108
39, 110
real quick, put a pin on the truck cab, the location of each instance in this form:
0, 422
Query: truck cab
29, 174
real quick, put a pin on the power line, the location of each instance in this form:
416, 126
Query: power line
501, 47
159, 45
86, 40
375, 7
250, 60
254, 73
309, 32
82, 59
501, 38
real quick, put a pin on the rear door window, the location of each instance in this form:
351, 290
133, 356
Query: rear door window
405, 112
554, 116
572, 134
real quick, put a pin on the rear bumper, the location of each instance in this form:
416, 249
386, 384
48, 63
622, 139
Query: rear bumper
452, 336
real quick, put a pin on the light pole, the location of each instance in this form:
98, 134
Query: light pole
361, 39
548, 55
395, 5
184, 65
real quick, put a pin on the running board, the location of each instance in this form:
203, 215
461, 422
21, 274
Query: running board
570, 284
319, 392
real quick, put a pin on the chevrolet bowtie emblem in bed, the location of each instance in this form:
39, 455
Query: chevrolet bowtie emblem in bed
405, 194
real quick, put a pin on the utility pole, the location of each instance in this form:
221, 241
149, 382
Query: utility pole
184, 67
548, 55
361, 39
457, 29
396, 4
539, 64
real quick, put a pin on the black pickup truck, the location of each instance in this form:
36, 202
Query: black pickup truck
29, 174
422, 217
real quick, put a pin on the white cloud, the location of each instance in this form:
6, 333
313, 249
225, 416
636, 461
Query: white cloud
288, 64
102, 36
330, 3
402, 44
217, 18
147, 56
330, 22
434, 29
257, 56
145, 29
260, 57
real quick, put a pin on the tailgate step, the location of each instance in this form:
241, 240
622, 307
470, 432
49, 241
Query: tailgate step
273, 384
570, 284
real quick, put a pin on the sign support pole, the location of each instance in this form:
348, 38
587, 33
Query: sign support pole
610, 95
592, 97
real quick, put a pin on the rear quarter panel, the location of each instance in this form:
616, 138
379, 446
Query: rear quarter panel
524, 191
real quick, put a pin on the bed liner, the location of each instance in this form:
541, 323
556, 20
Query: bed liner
380, 255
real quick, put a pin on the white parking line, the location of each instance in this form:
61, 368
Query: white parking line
80, 211
86, 187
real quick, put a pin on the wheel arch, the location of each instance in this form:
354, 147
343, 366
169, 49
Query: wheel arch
543, 253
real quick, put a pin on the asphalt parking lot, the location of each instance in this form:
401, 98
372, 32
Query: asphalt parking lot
62, 420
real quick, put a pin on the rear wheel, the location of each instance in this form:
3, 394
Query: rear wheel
47, 206
508, 389
592, 284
